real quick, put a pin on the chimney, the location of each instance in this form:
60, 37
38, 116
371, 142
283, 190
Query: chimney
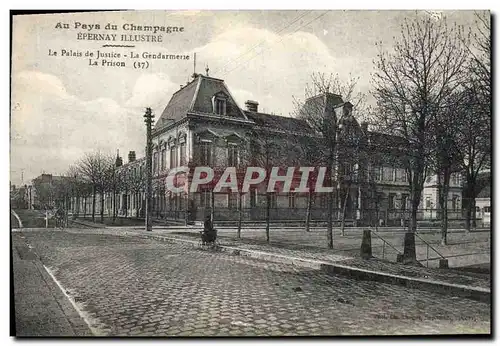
252, 106
131, 156
119, 161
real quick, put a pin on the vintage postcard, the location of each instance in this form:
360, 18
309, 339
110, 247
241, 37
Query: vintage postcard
251, 173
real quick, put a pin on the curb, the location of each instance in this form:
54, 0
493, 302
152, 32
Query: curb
88, 224
78, 325
471, 292
17, 218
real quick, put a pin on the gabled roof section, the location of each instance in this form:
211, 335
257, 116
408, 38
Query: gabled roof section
179, 104
280, 123
197, 97
379, 138
210, 87
387, 144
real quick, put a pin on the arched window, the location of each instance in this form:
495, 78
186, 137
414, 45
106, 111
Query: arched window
182, 149
206, 152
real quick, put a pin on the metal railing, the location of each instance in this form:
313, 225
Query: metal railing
383, 244
427, 251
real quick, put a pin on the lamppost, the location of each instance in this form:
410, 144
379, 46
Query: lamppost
148, 119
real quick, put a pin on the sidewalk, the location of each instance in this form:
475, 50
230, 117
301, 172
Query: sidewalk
470, 285
41, 308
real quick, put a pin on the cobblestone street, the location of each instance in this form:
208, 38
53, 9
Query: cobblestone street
135, 286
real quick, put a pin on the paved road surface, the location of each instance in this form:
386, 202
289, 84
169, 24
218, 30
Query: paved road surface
133, 286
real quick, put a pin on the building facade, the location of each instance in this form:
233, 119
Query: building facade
202, 125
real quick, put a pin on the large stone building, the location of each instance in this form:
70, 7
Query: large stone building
202, 125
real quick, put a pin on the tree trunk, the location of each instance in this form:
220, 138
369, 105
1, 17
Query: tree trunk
102, 207
114, 206
77, 207
473, 207
137, 200
329, 226
444, 226
65, 203
84, 206
93, 203
344, 207
409, 252
268, 215
468, 216
470, 209
240, 215
308, 211
126, 203
443, 203
212, 205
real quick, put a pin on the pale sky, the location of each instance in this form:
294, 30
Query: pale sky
62, 107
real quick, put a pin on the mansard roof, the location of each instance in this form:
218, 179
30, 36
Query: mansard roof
136, 162
179, 104
279, 123
385, 147
197, 97
385, 139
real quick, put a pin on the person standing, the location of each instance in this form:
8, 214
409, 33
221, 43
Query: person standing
208, 229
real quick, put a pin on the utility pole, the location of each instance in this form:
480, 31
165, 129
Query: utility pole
148, 119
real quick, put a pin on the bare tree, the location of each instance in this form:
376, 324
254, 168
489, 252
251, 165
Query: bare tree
479, 69
85, 192
324, 98
135, 182
411, 86
473, 147
114, 182
307, 147
446, 160
473, 138
94, 168
244, 157
266, 153
76, 185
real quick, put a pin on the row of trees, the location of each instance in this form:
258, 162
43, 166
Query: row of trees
91, 177
433, 92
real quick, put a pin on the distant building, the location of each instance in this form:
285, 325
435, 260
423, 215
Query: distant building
430, 197
483, 204
19, 197
42, 191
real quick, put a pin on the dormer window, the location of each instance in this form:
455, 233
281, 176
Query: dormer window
219, 102
220, 107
